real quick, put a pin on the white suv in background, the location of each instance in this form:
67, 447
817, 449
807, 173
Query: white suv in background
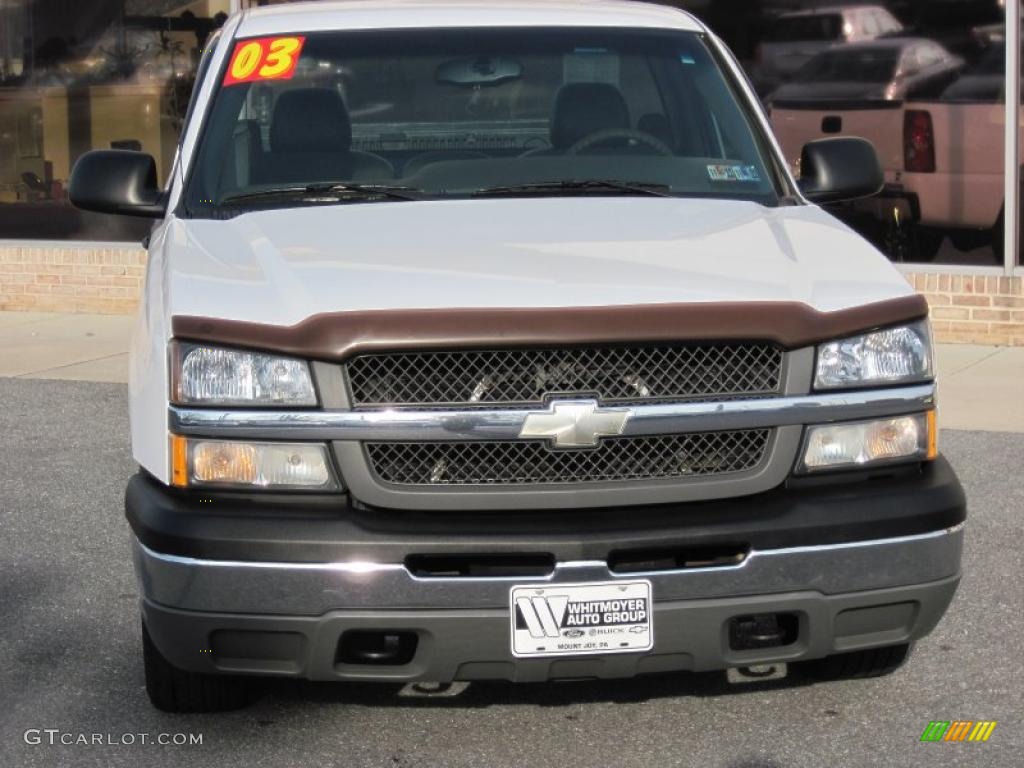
793, 38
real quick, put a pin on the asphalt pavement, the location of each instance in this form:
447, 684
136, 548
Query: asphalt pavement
70, 650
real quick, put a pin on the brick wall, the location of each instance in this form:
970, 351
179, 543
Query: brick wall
971, 309
974, 309
56, 278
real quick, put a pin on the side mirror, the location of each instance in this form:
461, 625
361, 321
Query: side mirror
116, 181
833, 170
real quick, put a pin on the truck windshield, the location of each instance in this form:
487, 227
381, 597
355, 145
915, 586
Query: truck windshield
333, 117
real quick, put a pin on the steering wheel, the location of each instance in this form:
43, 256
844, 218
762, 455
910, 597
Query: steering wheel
599, 137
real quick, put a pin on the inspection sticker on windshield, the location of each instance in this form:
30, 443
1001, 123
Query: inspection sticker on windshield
581, 619
264, 58
733, 173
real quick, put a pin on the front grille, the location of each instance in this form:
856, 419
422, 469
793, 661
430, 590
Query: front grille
528, 376
533, 462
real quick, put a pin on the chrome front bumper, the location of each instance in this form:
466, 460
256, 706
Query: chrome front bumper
290, 619
312, 589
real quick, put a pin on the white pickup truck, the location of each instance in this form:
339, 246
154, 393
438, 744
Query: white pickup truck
496, 341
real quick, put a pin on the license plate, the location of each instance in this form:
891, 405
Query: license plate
581, 619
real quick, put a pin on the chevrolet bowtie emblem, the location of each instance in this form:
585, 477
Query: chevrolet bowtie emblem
575, 423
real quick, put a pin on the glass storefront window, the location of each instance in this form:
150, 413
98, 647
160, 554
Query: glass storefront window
922, 79
78, 76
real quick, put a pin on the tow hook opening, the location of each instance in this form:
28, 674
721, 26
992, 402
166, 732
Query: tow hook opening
763, 630
677, 558
376, 647
441, 566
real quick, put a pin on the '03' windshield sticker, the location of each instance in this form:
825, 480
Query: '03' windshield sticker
264, 58
733, 173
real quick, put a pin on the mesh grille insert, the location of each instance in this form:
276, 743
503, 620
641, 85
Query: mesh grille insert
532, 462
527, 376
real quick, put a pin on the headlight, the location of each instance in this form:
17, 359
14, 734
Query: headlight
243, 464
895, 355
204, 375
904, 438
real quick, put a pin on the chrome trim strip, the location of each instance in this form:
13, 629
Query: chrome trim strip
507, 424
956, 529
315, 588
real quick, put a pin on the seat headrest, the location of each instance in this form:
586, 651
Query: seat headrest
583, 108
310, 120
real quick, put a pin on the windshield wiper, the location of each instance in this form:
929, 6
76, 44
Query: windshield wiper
579, 186
339, 192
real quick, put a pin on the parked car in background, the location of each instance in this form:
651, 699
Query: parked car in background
878, 69
792, 39
982, 82
965, 27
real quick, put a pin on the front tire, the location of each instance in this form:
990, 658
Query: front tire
176, 690
871, 662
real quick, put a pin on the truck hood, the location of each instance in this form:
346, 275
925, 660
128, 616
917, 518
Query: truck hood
281, 266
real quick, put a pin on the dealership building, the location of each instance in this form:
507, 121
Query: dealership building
77, 76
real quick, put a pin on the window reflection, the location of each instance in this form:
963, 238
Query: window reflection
922, 80
76, 76
118, 73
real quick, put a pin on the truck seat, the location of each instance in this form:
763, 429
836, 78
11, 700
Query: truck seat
311, 140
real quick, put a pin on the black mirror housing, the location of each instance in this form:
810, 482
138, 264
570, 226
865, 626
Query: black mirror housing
117, 181
839, 169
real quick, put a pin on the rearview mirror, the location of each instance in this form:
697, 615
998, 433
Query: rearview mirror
116, 181
834, 170
482, 70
